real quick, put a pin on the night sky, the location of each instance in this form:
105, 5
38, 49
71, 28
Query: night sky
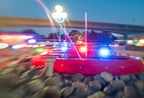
110, 11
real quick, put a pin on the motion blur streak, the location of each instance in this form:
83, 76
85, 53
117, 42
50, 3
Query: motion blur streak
47, 12
85, 33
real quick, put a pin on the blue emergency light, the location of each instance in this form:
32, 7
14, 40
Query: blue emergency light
104, 52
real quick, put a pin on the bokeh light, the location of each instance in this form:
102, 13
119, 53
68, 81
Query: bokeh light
3, 45
58, 8
39, 50
17, 46
63, 15
142, 41
64, 48
31, 41
129, 42
82, 49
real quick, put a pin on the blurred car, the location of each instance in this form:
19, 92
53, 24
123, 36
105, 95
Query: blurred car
94, 60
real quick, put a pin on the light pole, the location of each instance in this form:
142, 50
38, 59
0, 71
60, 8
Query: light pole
59, 17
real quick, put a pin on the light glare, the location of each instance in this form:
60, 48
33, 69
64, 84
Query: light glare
56, 15
63, 49
104, 52
130, 42
3, 45
59, 8
32, 41
142, 41
137, 58
83, 49
63, 15
17, 46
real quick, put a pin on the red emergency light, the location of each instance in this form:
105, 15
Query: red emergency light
82, 49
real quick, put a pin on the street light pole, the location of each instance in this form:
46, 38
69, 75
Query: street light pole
59, 17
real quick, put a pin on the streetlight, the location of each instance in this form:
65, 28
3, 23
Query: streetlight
59, 17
